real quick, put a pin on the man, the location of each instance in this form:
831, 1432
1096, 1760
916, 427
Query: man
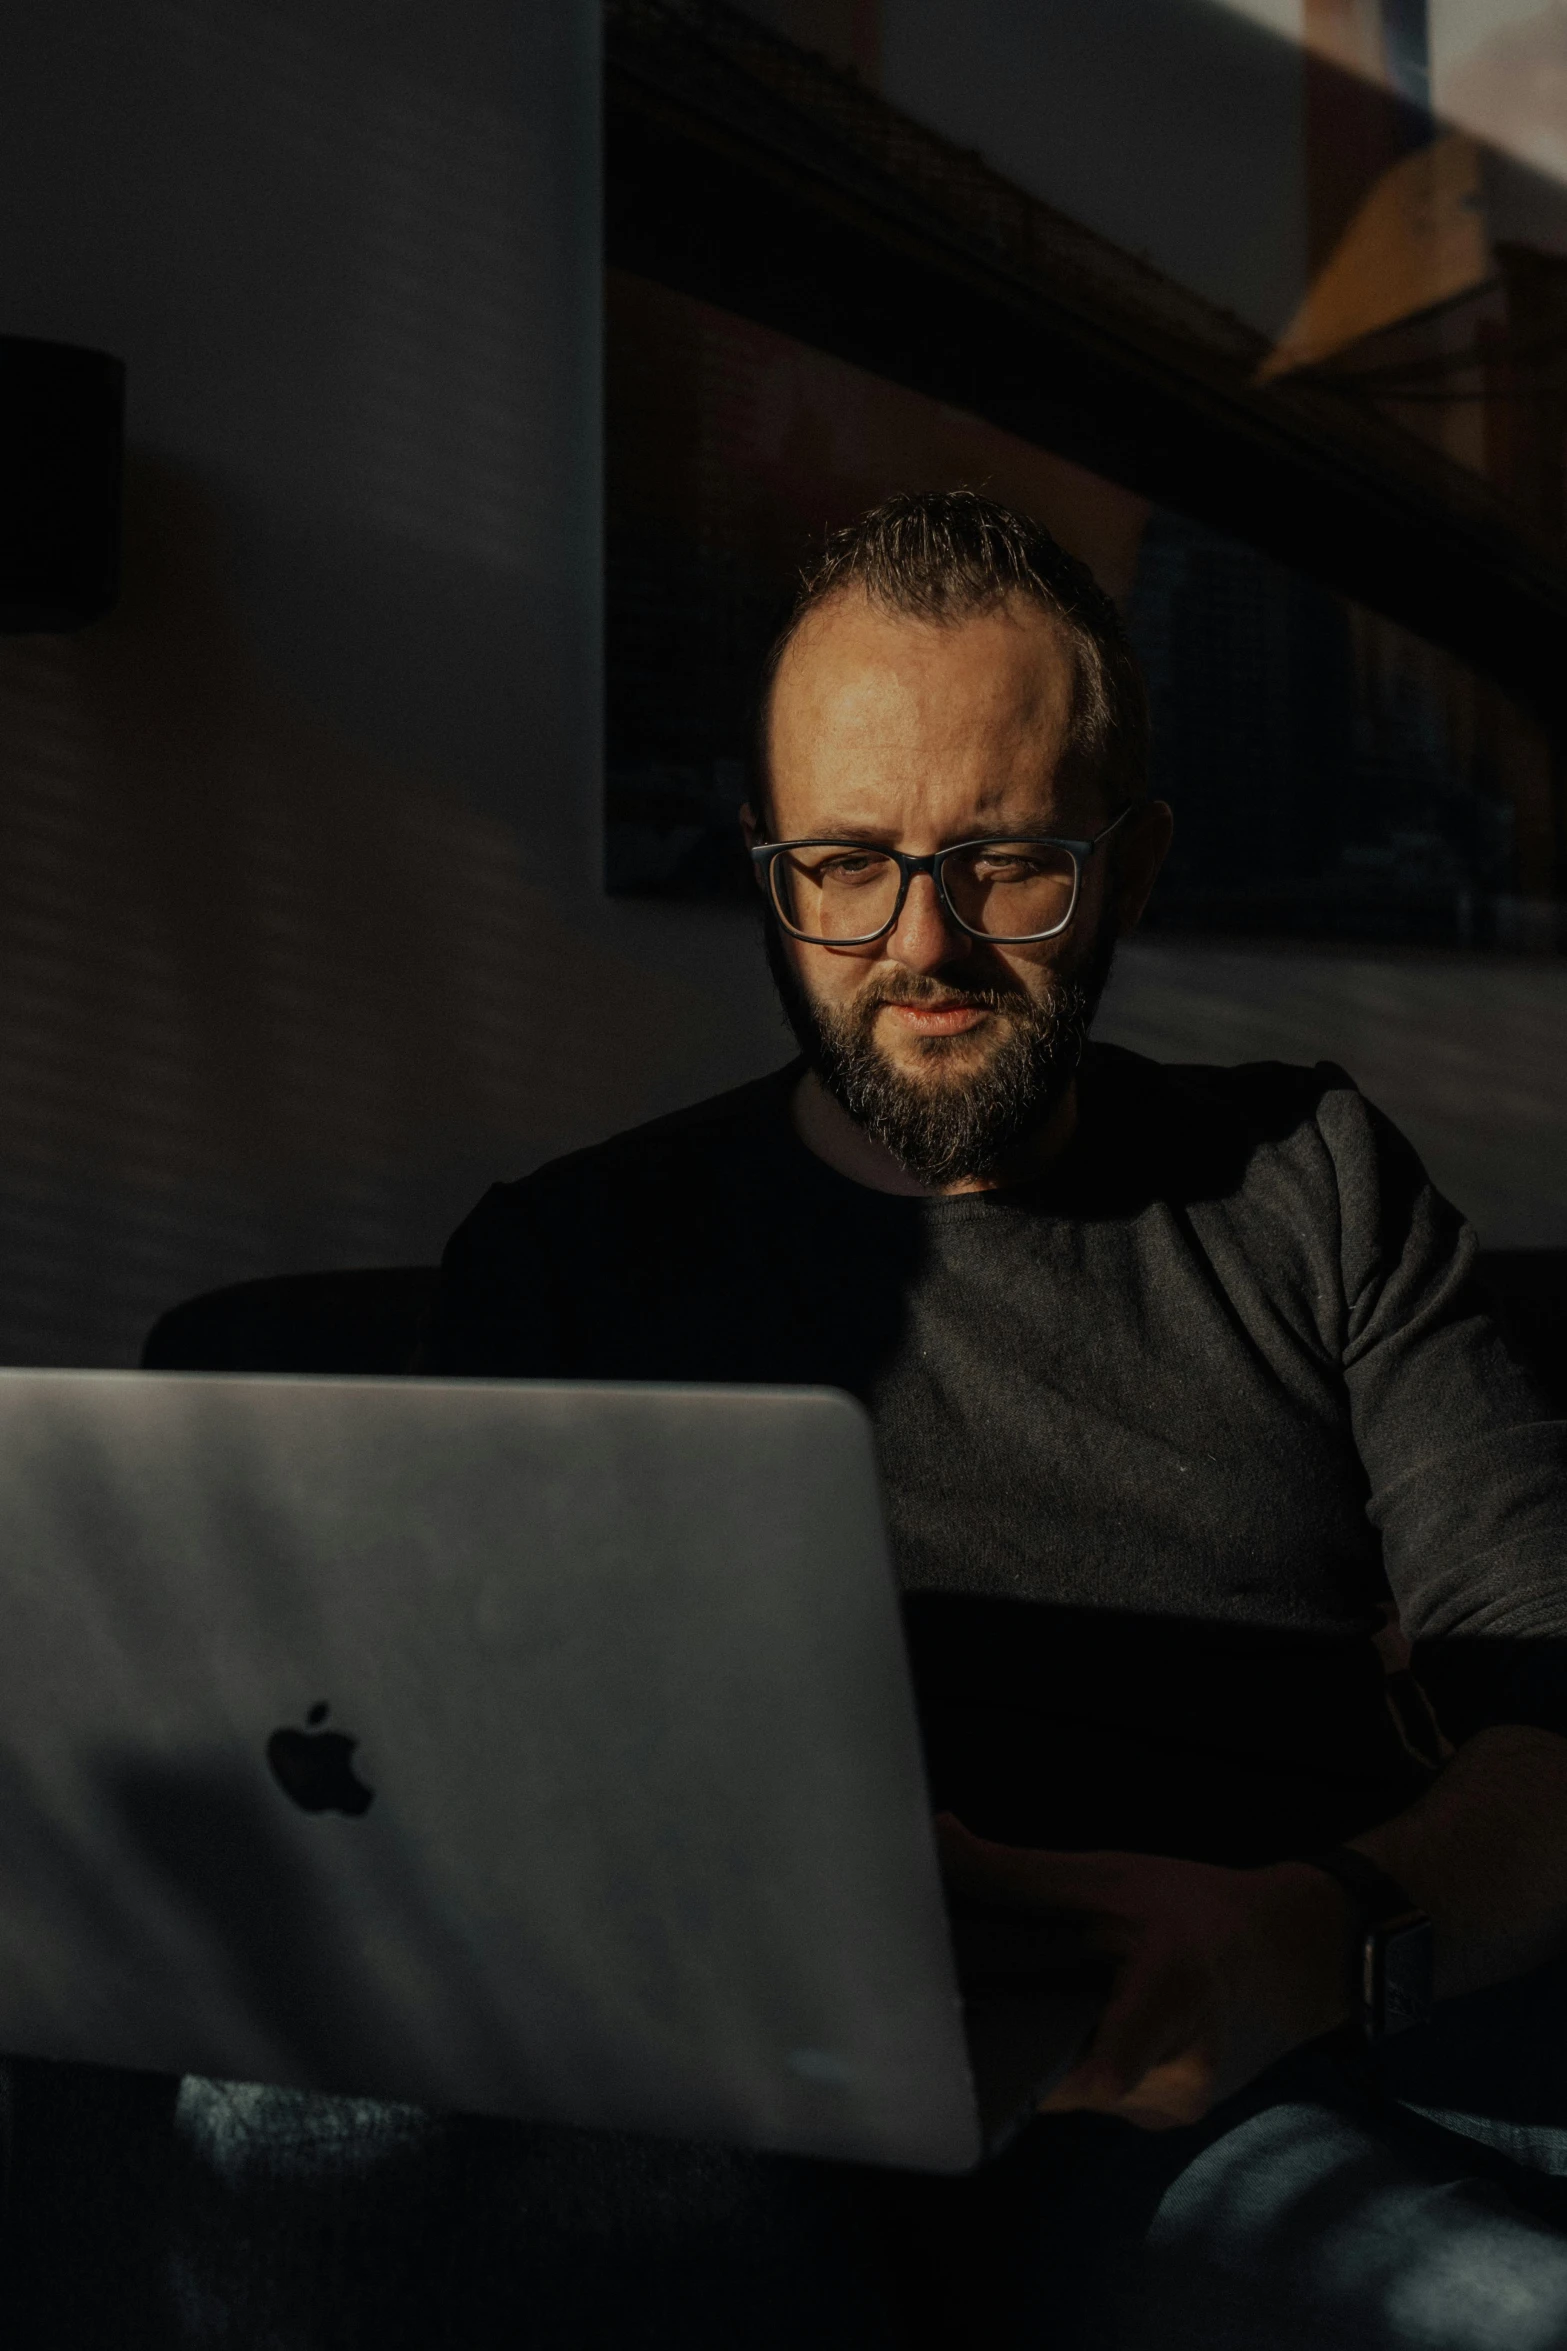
1178, 1378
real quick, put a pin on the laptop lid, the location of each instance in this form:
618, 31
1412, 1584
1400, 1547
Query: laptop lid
522, 1748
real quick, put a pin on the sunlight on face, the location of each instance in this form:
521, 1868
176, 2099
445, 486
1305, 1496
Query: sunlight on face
912, 735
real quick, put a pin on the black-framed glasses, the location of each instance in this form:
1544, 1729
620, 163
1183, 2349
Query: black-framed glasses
1009, 888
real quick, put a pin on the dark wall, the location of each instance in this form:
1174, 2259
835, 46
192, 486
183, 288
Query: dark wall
301, 935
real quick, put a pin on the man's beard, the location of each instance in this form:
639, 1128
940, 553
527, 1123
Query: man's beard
956, 1125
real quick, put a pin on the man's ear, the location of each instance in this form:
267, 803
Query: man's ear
1141, 850
754, 828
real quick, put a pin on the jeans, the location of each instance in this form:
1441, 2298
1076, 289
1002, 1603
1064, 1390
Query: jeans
1420, 2200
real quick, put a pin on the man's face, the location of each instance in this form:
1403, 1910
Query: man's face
912, 735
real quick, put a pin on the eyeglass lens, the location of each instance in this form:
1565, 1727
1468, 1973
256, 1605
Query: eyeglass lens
1004, 889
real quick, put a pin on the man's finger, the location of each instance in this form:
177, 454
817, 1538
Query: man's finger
1152, 2019
1154, 2014
1172, 2096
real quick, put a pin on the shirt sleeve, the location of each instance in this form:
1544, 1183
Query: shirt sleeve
498, 1312
1466, 1463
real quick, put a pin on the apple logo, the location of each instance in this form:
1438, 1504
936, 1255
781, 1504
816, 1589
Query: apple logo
316, 1768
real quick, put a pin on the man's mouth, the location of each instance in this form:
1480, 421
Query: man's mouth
936, 1020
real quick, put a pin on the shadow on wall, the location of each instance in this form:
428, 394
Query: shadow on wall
265, 1000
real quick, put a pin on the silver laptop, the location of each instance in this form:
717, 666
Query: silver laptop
519, 1748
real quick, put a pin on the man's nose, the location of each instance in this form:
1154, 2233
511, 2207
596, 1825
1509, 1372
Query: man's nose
925, 937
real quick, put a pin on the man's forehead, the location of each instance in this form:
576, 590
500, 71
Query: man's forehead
865, 691
852, 658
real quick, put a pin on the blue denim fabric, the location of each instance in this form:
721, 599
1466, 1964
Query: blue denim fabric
1364, 2206
304, 2222
1417, 2198
1311, 2225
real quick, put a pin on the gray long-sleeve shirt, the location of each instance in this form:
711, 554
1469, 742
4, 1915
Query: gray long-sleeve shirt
1161, 1433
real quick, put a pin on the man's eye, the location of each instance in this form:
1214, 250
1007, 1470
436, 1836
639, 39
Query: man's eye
850, 869
998, 868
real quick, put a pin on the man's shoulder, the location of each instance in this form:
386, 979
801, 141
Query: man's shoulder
1298, 1147
1272, 1101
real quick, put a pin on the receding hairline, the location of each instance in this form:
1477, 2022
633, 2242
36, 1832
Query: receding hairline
1015, 600
946, 556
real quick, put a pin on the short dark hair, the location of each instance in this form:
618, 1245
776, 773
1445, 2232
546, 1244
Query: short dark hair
947, 555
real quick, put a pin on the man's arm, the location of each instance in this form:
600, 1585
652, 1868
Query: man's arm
497, 1313
1484, 1853
1224, 1971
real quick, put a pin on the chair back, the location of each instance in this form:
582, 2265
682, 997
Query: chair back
366, 1320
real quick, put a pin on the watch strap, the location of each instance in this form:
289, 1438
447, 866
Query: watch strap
1391, 1955
1377, 1897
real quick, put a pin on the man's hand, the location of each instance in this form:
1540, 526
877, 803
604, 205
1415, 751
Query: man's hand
1220, 1971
